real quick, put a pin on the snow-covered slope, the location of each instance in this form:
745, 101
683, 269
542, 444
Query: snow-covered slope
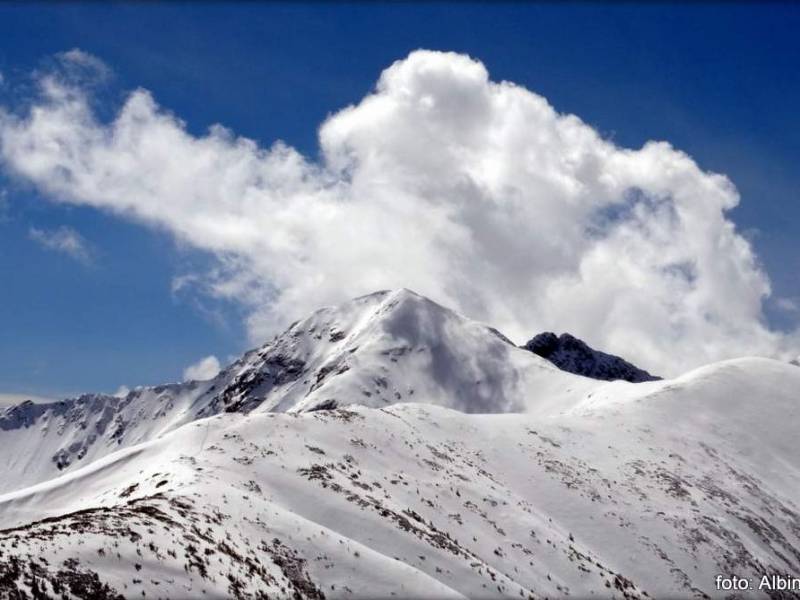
391, 347
253, 485
576, 356
375, 350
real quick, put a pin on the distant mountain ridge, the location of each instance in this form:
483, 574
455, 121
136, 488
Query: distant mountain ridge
573, 355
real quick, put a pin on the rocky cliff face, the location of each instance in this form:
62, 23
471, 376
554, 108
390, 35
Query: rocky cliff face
575, 356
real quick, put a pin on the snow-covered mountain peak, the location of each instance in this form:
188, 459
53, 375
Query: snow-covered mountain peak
344, 458
387, 347
375, 350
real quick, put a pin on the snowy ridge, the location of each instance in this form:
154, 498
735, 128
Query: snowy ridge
392, 347
376, 350
283, 478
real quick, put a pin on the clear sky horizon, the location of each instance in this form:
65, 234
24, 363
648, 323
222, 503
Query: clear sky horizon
91, 300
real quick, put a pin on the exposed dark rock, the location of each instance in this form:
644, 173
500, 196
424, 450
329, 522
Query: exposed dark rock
570, 354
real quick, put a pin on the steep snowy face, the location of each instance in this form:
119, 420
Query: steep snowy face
640, 491
50, 438
385, 348
344, 459
376, 350
575, 356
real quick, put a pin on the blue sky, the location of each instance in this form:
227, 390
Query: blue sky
716, 81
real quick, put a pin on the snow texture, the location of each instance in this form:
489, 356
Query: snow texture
392, 447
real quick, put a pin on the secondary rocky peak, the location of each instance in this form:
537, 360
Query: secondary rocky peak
571, 354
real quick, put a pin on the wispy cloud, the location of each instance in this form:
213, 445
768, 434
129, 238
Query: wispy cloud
4, 206
204, 369
80, 63
63, 239
474, 192
789, 305
10, 399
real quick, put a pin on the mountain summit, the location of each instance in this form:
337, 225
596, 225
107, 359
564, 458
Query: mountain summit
576, 356
390, 446
375, 350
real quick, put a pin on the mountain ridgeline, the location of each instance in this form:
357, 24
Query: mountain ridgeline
389, 446
376, 350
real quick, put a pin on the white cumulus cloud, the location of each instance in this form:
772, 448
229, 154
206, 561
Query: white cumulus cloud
204, 369
476, 193
62, 239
